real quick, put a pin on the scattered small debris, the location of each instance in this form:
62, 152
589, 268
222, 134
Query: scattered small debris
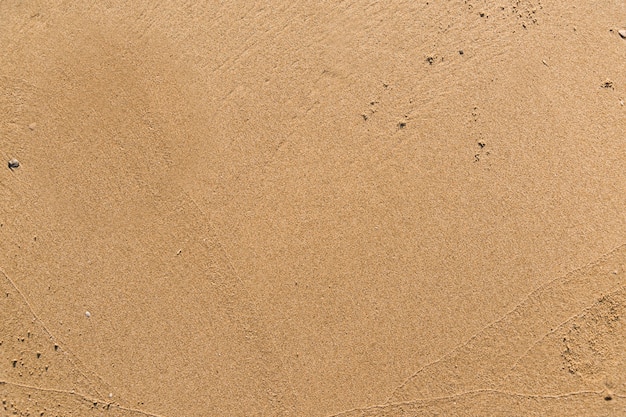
622, 33
13, 164
607, 84
402, 125
87, 314
543, 61
32, 126
461, 52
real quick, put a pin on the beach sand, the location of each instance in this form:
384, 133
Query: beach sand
312, 208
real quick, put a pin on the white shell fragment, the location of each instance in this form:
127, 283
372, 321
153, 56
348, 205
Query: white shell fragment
622, 33
87, 314
14, 163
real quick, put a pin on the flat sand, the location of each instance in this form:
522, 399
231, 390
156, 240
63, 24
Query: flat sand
288, 208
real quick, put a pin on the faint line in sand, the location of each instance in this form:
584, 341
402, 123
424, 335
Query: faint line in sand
79, 395
475, 336
66, 351
586, 310
477, 392
237, 276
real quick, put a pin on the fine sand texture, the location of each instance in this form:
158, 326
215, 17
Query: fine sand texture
312, 208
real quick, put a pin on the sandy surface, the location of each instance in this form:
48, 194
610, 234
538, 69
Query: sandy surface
312, 208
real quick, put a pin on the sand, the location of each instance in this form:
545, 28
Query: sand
312, 208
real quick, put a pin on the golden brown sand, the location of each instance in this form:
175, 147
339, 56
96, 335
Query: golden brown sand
312, 208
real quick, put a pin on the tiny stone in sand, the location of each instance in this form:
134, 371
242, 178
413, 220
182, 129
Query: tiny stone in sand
87, 314
622, 33
14, 163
